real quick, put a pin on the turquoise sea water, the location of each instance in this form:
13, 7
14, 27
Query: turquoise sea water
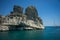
49, 33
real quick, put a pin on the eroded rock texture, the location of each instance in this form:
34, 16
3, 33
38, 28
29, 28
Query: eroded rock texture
32, 14
18, 9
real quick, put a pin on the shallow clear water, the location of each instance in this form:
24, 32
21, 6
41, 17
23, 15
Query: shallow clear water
49, 33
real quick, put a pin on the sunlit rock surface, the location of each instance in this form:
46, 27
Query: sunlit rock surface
17, 20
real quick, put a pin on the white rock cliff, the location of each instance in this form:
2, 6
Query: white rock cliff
18, 20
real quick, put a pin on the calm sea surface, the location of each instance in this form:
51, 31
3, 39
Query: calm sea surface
49, 33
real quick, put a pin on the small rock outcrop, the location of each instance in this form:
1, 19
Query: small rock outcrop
32, 14
18, 9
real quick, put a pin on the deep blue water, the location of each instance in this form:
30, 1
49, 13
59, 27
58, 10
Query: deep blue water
49, 33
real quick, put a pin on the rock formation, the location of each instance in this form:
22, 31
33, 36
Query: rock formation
17, 20
0, 19
18, 9
32, 14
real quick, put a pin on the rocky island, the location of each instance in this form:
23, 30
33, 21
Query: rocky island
17, 20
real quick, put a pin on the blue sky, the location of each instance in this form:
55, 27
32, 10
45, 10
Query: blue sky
48, 10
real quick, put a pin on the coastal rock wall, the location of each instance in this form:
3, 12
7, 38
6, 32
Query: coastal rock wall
17, 18
4, 28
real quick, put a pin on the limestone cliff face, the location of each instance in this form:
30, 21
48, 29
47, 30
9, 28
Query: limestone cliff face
18, 19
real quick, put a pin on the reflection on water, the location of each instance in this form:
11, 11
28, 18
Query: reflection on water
49, 33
